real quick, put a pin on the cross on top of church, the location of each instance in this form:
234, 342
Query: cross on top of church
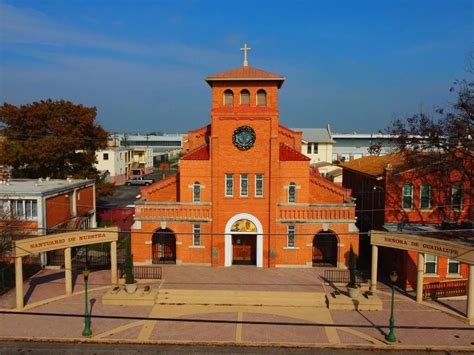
245, 49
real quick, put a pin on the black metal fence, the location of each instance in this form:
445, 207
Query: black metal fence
141, 272
343, 276
94, 256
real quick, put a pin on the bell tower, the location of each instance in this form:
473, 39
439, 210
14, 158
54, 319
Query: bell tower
244, 145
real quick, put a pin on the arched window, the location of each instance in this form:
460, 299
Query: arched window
292, 192
407, 198
245, 97
197, 192
228, 98
261, 98
425, 196
456, 196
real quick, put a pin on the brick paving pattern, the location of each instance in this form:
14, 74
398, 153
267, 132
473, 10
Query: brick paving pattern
315, 325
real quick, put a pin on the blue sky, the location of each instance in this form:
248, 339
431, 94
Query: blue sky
353, 64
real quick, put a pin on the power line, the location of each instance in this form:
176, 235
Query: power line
224, 233
223, 321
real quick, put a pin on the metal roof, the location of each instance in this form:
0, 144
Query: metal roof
37, 187
317, 135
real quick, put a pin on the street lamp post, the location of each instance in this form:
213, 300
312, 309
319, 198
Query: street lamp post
391, 335
87, 318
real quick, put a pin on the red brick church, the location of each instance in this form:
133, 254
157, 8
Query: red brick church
244, 194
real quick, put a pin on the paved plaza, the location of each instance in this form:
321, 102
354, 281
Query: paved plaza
229, 306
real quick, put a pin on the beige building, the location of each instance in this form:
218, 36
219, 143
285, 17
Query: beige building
317, 144
142, 161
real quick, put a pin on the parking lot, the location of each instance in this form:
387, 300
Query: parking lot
127, 195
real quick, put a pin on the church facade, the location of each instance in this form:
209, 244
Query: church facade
244, 194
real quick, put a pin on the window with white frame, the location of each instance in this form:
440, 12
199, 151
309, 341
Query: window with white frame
244, 185
456, 196
407, 196
308, 148
453, 267
292, 192
291, 236
229, 185
315, 148
431, 264
258, 185
196, 235
105, 156
21, 209
425, 196
197, 192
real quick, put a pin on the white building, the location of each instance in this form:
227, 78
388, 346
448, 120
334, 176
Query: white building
350, 146
123, 163
158, 143
317, 144
116, 162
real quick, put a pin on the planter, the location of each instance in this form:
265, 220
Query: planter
131, 288
353, 292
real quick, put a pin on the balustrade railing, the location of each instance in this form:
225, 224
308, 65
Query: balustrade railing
329, 213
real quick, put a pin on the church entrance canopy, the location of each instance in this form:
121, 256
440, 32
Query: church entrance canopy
455, 245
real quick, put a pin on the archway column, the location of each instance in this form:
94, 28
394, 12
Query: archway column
68, 271
470, 295
19, 283
419, 277
373, 269
113, 262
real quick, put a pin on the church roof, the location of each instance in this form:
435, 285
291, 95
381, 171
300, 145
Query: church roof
289, 154
245, 73
200, 153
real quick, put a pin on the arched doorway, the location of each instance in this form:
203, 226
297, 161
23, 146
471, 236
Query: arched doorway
244, 242
164, 247
246, 231
325, 249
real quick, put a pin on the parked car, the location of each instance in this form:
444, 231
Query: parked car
140, 181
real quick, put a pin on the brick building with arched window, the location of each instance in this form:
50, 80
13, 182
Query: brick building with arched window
244, 194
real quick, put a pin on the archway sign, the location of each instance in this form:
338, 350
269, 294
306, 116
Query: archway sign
450, 246
64, 241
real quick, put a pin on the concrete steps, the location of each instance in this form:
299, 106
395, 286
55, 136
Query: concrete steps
241, 298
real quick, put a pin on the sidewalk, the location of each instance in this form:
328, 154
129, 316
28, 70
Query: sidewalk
290, 320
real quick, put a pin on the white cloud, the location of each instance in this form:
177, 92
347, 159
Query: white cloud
31, 27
